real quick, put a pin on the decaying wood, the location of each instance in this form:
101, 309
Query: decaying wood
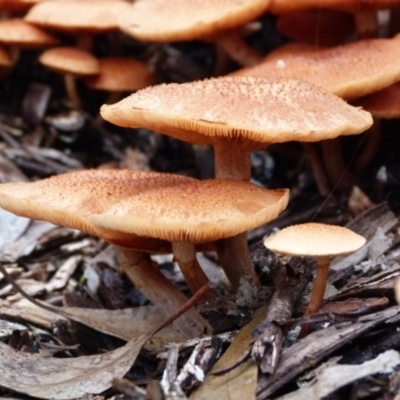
268, 336
312, 349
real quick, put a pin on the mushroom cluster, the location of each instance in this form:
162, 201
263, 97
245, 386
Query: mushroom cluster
290, 94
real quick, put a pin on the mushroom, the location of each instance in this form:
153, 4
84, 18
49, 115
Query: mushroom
350, 71
237, 115
192, 212
383, 104
138, 212
182, 20
72, 63
364, 11
18, 34
69, 199
118, 75
316, 240
84, 19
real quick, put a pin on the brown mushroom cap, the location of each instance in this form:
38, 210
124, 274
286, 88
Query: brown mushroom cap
164, 20
383, 104
121, 74
314, 239
69, 199
78, 15
350, 71
17, 32
253, 109
194, 211
70, 60
283, 6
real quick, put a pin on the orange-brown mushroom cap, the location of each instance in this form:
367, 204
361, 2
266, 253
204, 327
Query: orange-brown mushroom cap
350, 70
383, 104
93, 16
17, 32
69, 199
283, 6
70, 60
121, 74
194, 211
258, 110
314, 239
165, 20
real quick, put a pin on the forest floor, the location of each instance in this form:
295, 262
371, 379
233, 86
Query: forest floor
73, 351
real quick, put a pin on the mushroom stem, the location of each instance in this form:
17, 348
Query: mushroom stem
372, 145
72, 91
232, 160
84, 41
321, 277
236, 47
367, 24
317, 167
185, 256
233, 255
144, 274
336, 167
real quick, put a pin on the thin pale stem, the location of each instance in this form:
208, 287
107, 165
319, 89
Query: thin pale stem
146, 277
185, 256
72, 91
321, 278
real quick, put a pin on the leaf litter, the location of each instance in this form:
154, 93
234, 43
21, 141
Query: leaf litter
361, 312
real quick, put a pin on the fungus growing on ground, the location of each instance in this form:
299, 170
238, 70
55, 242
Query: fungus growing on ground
82, 19
236, 115
69, 199
349, 71
192, 212
315, 240
142, 212
182, 20
118, 75
18, 34
71, 63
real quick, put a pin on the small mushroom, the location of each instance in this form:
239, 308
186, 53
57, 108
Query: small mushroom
119, 75
71, 63
182, 20
16, 34
82, 19
315, 240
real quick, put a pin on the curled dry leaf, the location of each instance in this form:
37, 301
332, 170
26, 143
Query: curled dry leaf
66, 378
127, 323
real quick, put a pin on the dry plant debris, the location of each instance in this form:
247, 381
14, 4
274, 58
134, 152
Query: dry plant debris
91, 340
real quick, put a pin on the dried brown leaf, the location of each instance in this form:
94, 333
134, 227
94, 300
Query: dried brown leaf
241, 382
66, 378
